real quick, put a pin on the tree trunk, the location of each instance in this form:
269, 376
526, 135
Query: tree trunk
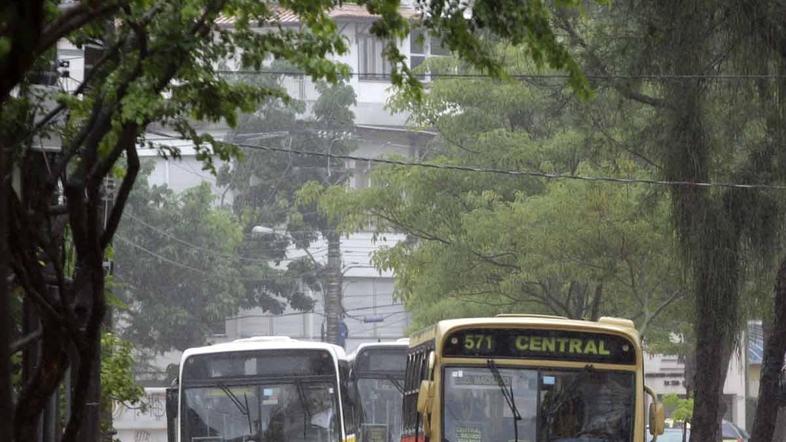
24, 26
716, 296
48, 374
780, 425
333, 292
6, 397
90, 430
597, 300
772, 363
705, 220
82, 409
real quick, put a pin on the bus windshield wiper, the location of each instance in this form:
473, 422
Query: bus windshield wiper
395, 383
307, 415
507, 393
243, 408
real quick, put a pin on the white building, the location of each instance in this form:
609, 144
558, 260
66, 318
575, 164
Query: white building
666, 375
372, 313
142, 424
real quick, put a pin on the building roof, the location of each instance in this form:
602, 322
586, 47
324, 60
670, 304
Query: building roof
345, 12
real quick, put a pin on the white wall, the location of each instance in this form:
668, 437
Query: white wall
661, 371
135, 425
735, 386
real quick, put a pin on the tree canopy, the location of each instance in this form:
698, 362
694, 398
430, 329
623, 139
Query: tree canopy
158, 65
493, 242
167, 235
672, 104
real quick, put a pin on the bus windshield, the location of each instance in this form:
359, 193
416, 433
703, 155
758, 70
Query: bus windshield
551, 405
295, 410
380, 401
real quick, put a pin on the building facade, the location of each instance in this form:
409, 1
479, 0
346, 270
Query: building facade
372, 312
666, 375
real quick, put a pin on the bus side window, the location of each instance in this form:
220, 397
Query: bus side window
417, 370
347, 399
409, 411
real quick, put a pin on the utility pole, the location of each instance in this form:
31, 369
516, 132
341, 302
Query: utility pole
333, 292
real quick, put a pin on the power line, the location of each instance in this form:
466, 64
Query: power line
186, 266
372, 307
191, 245
273, 316
173, 262
228, 256
382, 76
518, 173
313, 312
382, 324
158, 256
363, 318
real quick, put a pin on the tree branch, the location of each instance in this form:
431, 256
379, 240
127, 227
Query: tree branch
621, 145
663, 305
38, 389
597, 299
23, 342
113, 51
72, 19
621, 87
122, 195
24, 29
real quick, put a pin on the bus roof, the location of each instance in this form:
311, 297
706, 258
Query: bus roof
403, 342
265, 343
609, 324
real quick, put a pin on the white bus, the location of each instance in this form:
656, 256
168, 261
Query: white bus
377, 377
265, 389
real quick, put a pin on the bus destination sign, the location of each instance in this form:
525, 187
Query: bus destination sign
540, 344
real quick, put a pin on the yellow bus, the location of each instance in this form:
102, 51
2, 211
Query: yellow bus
527, 378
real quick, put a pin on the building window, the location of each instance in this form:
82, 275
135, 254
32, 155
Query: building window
423, 46
372, 64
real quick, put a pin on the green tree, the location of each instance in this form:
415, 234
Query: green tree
574, 249
167, 235
158, 66
484, 243
704, 128
264, 184
681, 409
117, 376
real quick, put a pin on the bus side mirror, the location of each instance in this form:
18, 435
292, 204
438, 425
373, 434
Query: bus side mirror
657, 419
171, 413
425, 396
657, 415
171, 402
